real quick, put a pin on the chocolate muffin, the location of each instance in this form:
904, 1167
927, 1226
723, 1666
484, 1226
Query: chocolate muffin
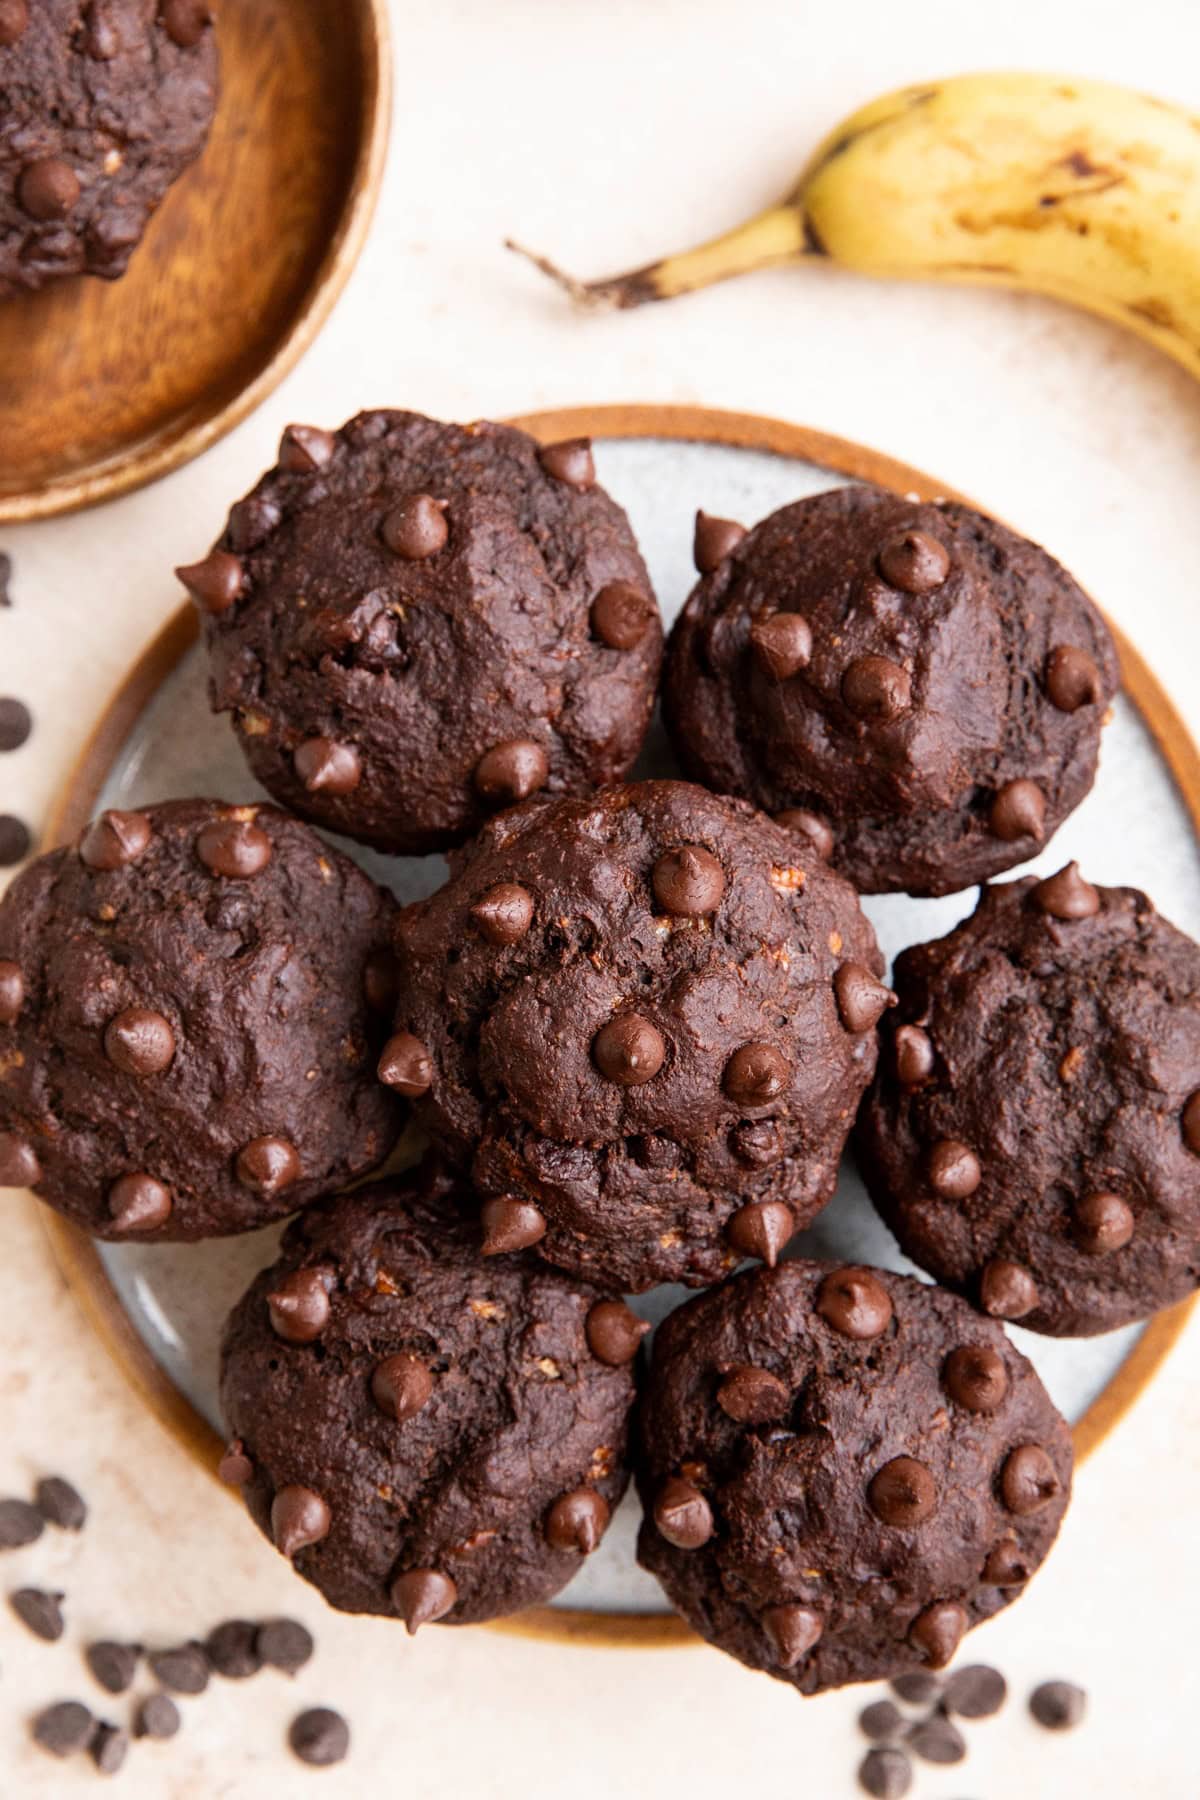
843, 1471
914, 686
643, 1022
102, 106
415, 624
1033, 1136
187, 1041
426, 1434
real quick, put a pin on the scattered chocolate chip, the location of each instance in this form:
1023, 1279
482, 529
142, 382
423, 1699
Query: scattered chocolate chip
48, 188
629, 1050
139, 1203
512, 771
936, 1740
570, 461
811, 825
185, 21
914, 562
139, 1042
235, 1467
782, 645
876, 689
114, 840
753, 1396
299, 1518
16, 723
215, 584
417, 528
688, 882
938, 1631
405, 1065
40, 1612
793, 1630
1018, 811
299, 1306
157, 1717
954, 1170
234, 848
755, 1075
913, 1055
855, 1302
762, 1228
509, 1225
20, 1524
975, 1377
1072, 678
113, 1665
578, 1521
60, 1504
916, 1688
14, 17
184, 1669
682, 1514
233, 1651
976, 1692
861, 999
881, 1720
284, 1644
305, 448
713, 540
326, 767
1028, 1480
902, 1493
504, 913
422, 1597
1102, 1223
885, 1774
319, 1737
1006, 1290
400, 1386
621, 615
268, 1165
1058, 1705
63, 1729
19, 1166
614, 1332
1005, 1566
1067, 895
16, 841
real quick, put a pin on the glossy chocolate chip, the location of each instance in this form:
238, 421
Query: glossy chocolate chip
862, 1000
1066, 895
503, 914
422, 1596
236, 849
975, 1377
299, 1306
689, 882
577, 1521
682, 1514
299, 1518
876, 689
792, 1630
186, 21
305, 448
753, 1396
139, 1202
621, 615
401, 1386
913, 1056
327, 767
1072, 678
902, 1493
510, 1224
1102, 1223
1006, 1290
1006, 1566
268, 1165
48, 188
1018, 811
614, 1332
755, 1075
713, 540
114, 840
216, 583
139, 1042
763, 1228
416, 529
19, 1164
914, 562
938, 1631
512, 771
1028, 1480
570, 461
953, 1169
629, 1050
782, 645
855, 1303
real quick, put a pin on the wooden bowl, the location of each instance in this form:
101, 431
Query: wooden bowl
107, 385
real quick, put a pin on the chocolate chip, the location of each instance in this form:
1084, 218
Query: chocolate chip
63, 1729
885, 1774
216, 583
114, 840
326, 767
755, 1075
19, 1165
902, 1493
621, 615
417, 528
504, 913
16, 841
753, 1396
305, 448
1006, 1290
233, 1650
688, 882
113, 1665
268, 1165
1028, 1480
48, 188
782, 645
20, 1523
1072, 678
400, 1386
629, 1050
762, 1228
577, 1521
1005, 1566
1058, 1705
614, 1332
422, 1597
975, 1377
855, 1302
861, 999
914, 562
40, 1612
12, 992
405, 1065
510, 1225
1102, 1223
811, 825
1018, 811
319, 1737
976, 1692
793, 1631
139, 1042
234, 848
184, 1669
299, 1518
235, 1467
284, 1644
185, 21
512, 771
139, 1203
1067, 895
570, 461
713, 540
682, 1514
14, 17
916, 1688
881, 1720
381, 982
938, 1631
16, 723
157, 1717
953, 1169
936, 1740
299, 1306
252, 521
913, 1055
876, 689
1190, 1123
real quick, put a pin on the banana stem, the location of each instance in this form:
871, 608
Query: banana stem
778, 235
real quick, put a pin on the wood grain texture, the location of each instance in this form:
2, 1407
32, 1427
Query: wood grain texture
75, 1251
106, 385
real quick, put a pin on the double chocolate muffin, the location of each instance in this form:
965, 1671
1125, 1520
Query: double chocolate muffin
415, 624
843, 1471
1033, 1136
914, 686
424, 1433
187, 1036
102, 106
643, 1022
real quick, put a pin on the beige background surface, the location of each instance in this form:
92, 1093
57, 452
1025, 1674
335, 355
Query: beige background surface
604, 133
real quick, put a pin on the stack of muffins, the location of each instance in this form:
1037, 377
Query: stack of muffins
635, 1029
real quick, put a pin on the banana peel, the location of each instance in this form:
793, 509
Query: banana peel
1079, 189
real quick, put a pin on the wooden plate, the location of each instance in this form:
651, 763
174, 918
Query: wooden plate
1129, 1367
107, 385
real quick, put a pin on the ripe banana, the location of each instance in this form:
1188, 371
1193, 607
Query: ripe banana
1073, 188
